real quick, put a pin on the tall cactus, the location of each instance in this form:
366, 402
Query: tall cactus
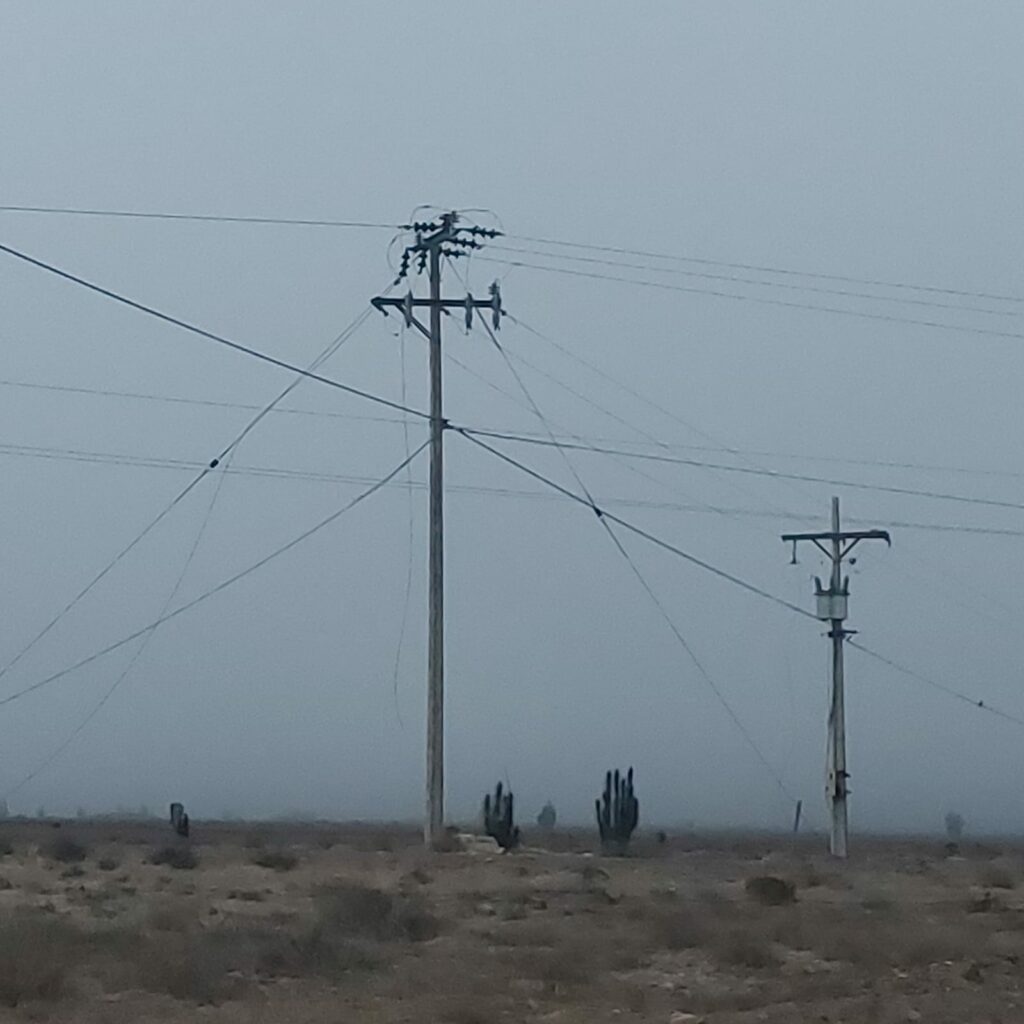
499, 822
618, 812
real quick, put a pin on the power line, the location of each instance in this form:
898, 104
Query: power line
990, 332
675, 417
209, 335
652, 442
948, 690
773, 473
685, 555
204, 470
137, 654
715, 689
787, 271
332, 223
147, 215
744, 732
706, 276
223, 585
284, 473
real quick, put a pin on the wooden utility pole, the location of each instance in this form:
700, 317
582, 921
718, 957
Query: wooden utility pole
832, 606
436, 240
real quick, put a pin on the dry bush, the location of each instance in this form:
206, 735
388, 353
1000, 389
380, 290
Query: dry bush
66, 850
6, 848
181, 858
275, 860
354, 910
108, 864
195, 965
36, 953
770, 890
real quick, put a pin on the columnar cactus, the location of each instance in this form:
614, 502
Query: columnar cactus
618, 812
498, 819
179, 819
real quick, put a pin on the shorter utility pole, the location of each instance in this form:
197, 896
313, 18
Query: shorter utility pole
832, 606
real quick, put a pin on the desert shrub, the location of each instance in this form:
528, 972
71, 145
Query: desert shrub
350, 909
180, 858
74, 871
770, 890
197, 966
66, 850
6, 848
36, 953
108, 864
275, 860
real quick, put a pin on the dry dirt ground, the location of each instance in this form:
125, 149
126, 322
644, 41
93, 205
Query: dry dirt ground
261, 923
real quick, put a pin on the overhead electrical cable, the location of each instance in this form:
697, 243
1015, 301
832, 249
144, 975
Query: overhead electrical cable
715, 689
209, 335
676, 631
760, 283
784, 271
204, 470
975, 702
990, 332
223, 585
772, 473
105, 697
639, 531
220, 219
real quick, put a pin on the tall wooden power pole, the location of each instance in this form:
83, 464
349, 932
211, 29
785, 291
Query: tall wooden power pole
832, 606
437, 240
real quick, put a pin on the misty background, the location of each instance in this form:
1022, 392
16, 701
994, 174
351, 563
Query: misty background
878, 142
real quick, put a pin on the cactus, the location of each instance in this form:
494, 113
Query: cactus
618, 812
179, 819
547, 817
498, 819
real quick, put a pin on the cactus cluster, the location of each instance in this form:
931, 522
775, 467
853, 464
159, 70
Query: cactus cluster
618, 812
499, 821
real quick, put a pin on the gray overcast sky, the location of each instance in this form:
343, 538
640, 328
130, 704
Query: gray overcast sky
874, 141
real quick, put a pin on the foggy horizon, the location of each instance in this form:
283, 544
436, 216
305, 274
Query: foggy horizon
840, 302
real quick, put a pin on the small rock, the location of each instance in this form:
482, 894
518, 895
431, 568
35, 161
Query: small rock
913, 1015
973, 973
679, 1017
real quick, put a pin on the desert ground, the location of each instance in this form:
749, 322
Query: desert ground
110, 922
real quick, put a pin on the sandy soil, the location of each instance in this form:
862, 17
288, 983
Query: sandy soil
355, 923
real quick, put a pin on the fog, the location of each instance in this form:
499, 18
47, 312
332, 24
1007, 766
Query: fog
877, 142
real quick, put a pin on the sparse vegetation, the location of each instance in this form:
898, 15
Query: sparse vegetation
770, 891
710, 927
66, 850
181, 858
275, 860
